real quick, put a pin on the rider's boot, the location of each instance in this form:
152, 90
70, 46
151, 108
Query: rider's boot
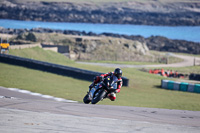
111, 96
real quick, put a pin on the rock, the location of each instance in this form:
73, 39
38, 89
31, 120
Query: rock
148, 13
164, 44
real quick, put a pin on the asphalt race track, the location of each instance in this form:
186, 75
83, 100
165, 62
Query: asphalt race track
22, 112
187, 61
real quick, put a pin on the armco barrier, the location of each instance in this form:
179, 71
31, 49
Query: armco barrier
53, 68
180, 86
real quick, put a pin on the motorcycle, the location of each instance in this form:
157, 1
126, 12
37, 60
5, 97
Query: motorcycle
101, 90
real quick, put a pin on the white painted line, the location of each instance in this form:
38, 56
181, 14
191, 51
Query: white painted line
24, 91
13, 89
64, 100
35, 94
38, 94
59, 99
47, 96
70, 101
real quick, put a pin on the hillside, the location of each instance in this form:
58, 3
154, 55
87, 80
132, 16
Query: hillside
89, 47
157, 43
152, 12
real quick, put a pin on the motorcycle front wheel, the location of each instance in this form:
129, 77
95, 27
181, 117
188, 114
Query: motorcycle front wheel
100, 96
86, 100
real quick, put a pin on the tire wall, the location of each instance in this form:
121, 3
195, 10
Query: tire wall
180, 86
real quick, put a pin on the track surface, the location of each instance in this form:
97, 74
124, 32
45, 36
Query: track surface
26, 113
187, 61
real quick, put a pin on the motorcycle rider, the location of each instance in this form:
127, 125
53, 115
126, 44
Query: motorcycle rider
118, 74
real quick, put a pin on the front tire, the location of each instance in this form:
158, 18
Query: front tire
86, 100
99, 97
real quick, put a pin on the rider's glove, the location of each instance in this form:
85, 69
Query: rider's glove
92, 85
101, 78
95, 78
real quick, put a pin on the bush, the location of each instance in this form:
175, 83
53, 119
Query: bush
31, 37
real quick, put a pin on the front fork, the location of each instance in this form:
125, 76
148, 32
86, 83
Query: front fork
91, 93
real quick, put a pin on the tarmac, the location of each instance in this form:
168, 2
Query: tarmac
187, 61
23, 112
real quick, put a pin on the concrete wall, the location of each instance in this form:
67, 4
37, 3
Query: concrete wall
59, 48
25, 46
55, 49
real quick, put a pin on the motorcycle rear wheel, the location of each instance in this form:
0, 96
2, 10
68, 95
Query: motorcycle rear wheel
99, 97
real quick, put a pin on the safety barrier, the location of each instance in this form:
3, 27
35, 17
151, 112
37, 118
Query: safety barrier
180, 86
53, 68
164, 84
197, 88
170, 85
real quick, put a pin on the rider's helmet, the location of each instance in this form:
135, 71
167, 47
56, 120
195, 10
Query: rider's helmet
118, 73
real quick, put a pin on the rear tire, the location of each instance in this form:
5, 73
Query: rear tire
101, 95
85, 99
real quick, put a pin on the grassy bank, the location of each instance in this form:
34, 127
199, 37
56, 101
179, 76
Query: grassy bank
144, 89
42, 55
41, 82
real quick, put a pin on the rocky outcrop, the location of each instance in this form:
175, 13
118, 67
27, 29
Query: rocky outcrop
146, 13
109, 48
159, 43
153, 43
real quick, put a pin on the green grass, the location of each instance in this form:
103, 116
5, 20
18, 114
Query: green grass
42, 55
143, 90
42, 82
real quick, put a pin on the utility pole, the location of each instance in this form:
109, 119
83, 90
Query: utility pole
8, 45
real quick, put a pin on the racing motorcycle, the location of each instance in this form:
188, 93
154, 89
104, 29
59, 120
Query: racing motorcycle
101, 90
